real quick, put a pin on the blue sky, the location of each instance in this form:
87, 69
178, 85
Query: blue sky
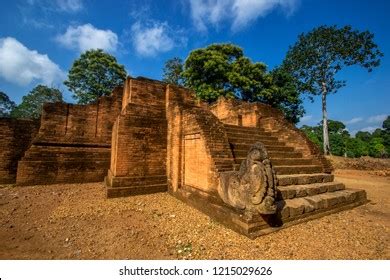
40, 39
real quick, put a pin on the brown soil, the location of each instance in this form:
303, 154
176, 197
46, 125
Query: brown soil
376, 166
76, 221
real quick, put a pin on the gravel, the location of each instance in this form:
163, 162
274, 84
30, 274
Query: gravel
76, 221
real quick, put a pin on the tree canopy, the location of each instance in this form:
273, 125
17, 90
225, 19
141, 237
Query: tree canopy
94, 74
6, 105
173, 69
31, 106
375, 144
317, 56
223, 70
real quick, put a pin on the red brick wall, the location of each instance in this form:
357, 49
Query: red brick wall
177, 100
73, 143
196, 139
139, 139
72, 123
15, 138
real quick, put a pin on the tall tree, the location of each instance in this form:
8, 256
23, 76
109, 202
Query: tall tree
6, 105
173, 69
386, 124
31, 106
223, 70
386, 134
320, 54
94, 74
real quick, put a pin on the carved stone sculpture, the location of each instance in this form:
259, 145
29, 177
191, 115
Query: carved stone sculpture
252, 188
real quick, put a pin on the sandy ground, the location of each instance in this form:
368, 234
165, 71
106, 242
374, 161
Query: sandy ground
76, 221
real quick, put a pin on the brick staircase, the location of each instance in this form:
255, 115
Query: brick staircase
303, 188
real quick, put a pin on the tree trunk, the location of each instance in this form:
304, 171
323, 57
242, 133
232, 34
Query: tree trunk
325, 122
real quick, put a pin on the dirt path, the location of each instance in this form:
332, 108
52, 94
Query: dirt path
76, 221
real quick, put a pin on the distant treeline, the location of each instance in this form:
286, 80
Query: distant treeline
375, 144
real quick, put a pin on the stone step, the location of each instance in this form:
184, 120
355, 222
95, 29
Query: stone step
67, 164
295, 208
272, 154
297, 169
66, 147
67, 152
248, 130
284, 161
246, 136
277, 154
276, 148
225, 169
302, 179
250, 142
72, 153
240, 127
240, 135
291, 161
129, 191
295, 191
221, 155
139, 181
54, 157
223, 163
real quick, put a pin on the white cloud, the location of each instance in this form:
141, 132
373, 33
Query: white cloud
239, 12
369, 128
305, 119
154, 37
353, 120
85, 37
21, 66
377, 119
70, 5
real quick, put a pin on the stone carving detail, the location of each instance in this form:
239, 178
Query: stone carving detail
253, 187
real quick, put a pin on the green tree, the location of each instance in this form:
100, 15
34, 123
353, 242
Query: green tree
386, 124
320, 54
337, 127
223, 70
6, 105
378, 133
31, 105
386, 135
313, 133
173, 69
280, 91
365, 136
338, 137
377, 148
337, 142
355, 147
94, 74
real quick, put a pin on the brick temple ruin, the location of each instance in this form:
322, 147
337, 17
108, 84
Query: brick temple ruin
241, 163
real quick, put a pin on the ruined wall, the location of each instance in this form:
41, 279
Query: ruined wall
235, 112
73, 143
139, 141
80, 124
15, 138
